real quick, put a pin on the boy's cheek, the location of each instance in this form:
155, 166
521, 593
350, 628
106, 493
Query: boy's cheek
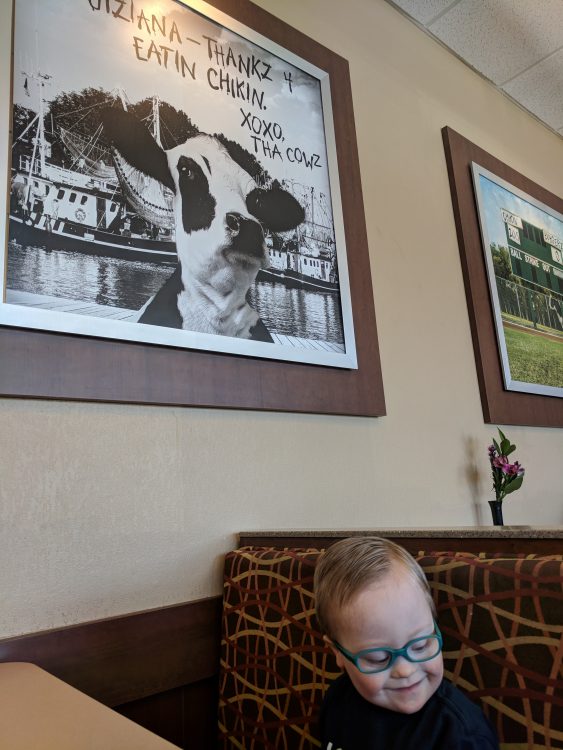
368, 686
438, 666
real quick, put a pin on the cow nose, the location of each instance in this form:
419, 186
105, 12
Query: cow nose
247, 235
233, 222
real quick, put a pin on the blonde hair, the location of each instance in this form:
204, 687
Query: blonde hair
350, 565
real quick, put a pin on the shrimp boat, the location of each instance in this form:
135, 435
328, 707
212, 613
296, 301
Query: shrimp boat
82, 207
307, 258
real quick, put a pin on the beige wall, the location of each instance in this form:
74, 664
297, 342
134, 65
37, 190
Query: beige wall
106, 509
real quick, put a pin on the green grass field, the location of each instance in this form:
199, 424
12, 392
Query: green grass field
528, 324
533, 358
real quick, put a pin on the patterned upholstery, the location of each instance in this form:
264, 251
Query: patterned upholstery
502, 620
274, 664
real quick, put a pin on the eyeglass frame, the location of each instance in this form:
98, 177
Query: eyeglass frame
395, 652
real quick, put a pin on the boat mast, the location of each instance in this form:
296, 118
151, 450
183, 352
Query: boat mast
312, 205
39, 141
156, 119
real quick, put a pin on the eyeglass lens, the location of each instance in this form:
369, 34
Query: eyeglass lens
422, 649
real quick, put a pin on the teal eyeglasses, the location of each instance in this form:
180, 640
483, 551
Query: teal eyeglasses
374, 660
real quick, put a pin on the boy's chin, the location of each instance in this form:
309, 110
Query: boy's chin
409, 708
408, 700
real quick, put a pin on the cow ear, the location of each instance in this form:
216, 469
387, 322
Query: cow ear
136, 145
275, 208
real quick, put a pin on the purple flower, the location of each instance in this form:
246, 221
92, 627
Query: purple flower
501, 462
511, 470
516, 470
507, 477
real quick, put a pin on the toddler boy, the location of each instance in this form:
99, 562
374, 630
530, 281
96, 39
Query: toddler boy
376, 611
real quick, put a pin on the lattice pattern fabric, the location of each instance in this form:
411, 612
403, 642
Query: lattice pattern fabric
274, 665
502, 620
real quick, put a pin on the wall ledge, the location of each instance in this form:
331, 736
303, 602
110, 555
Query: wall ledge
468, 532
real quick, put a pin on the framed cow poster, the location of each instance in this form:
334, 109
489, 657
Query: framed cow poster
175, 191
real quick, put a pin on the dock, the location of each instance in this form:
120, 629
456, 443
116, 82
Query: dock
62, 304
78, 307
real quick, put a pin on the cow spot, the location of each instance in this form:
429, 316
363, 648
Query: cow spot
198, 205
277, 209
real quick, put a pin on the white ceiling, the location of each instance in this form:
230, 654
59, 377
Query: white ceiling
516, 44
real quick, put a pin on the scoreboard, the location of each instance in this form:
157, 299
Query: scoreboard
536, 254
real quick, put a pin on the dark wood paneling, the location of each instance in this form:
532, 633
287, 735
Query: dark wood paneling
122, 659
414, 544
185, 716
162, 714
61, 366
499, 405
201, 707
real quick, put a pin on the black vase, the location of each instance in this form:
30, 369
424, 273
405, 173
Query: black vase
496, 510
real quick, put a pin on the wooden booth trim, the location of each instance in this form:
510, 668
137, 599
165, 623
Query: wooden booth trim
529, 545
158, 667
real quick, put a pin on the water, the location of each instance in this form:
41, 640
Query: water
296, 312
88, 278
129, 284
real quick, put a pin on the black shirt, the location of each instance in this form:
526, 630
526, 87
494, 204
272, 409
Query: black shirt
448, 721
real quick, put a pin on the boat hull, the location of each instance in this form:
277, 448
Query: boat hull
295, 280
67, 235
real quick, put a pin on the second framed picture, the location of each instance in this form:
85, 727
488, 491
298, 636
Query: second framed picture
523, 248
510, 234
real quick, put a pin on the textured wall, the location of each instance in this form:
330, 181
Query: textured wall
106, 509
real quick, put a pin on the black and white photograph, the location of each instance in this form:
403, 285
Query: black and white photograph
173, 181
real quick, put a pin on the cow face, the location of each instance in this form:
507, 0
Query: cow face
218, 210
219, 240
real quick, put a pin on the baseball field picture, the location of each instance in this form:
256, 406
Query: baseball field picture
523, 246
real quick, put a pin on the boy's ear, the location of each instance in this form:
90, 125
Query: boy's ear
330, 644
339, 658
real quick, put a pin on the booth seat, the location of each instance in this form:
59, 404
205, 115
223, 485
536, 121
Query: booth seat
501, 616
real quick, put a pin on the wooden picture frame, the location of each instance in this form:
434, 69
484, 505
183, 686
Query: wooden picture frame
48, 364
500, 406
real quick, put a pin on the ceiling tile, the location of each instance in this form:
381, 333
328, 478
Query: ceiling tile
424, 11
501, 38
540, 90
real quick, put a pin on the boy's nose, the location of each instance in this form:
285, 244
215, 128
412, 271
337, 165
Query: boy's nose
402, 667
